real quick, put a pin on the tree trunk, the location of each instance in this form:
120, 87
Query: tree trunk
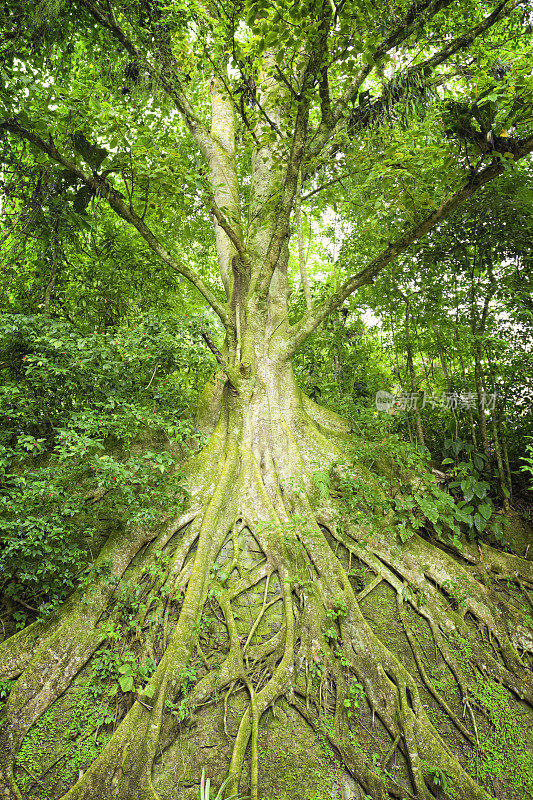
412, 376
503, 439
480, 392
500, 445
290, 637
281, 630
449, 386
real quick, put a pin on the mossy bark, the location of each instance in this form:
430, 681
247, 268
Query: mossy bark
268, 605
382, 672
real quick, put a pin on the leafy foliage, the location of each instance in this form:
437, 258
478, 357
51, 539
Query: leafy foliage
403, 493
79, 419
528, 461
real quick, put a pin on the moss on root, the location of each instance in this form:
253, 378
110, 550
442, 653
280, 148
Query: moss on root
272, 637
62, 743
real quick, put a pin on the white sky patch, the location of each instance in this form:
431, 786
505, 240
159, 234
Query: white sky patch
370, 319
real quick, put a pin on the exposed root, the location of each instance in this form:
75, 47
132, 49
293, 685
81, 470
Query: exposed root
421, 790
276, 686
430, 599
428, 684
60, 655
350, 757
307, 641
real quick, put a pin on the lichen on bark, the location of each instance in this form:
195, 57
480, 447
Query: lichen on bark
273, 604
272, 616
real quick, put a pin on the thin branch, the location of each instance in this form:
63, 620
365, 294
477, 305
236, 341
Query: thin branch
196, 127
239, 108
230, 372
226, 227
406, 27
111, 24
214, 349
103, 188
269, 121
151, 379
310, 321
329, 183
287, 83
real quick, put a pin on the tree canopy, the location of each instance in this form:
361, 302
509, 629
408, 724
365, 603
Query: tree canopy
219, 554
175, 116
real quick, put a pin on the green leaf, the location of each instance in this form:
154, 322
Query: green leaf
479, 522
481, 488
126, 683
457, 542
478, 460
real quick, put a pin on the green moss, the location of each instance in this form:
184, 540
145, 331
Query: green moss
60, 744
505, 752
297, 762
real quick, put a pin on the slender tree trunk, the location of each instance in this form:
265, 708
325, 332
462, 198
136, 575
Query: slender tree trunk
412, 376
50, 288
499, 444
499, 461
449, 386
478, 329
466, 385
55, 257
505, 453
480, 394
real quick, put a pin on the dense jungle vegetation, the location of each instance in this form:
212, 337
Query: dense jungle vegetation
266, 422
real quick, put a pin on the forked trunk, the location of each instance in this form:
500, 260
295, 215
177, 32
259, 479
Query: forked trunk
282, 631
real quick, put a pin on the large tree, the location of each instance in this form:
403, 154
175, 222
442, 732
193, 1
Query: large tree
238, 114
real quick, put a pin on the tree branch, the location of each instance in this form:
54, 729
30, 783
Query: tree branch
214, 349
232, 374
312, 70
310, 321
216, 145
411, 20
196, 127
336, 109
231, 234
103, 188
